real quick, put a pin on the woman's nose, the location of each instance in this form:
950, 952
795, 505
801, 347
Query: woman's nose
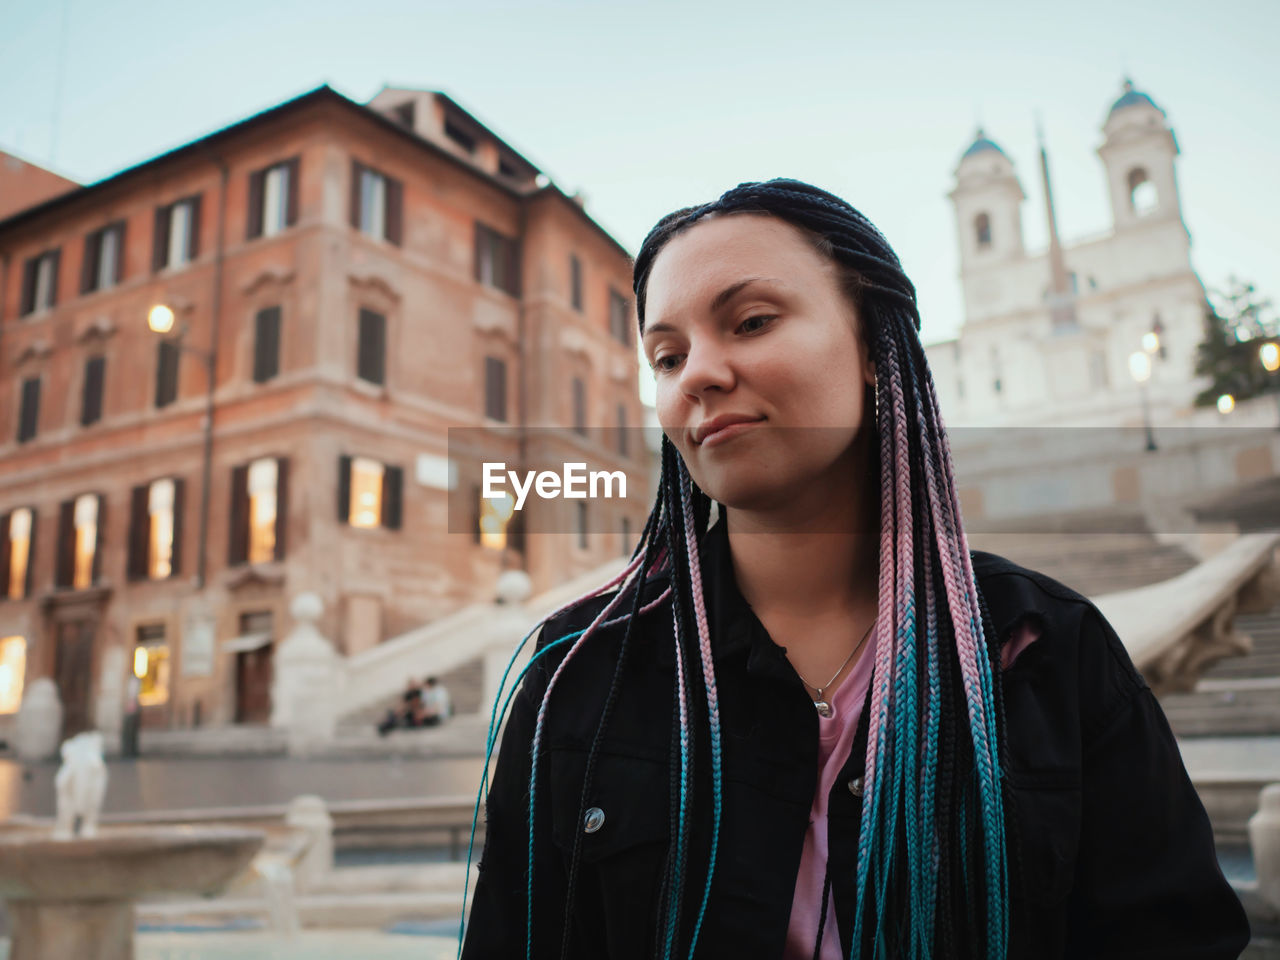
706, 365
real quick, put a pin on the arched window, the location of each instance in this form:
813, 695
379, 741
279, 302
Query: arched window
982, 230
1143, 196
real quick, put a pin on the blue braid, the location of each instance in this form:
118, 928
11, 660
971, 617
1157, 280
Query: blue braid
677, 888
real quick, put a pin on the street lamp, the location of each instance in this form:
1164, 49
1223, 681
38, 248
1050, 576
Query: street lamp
160, 319
1269, 354
1140, 370
1226, 403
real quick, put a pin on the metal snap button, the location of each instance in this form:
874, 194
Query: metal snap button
594, 820
855, 786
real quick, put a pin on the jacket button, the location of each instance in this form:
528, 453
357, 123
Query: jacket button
855, 786
594, 820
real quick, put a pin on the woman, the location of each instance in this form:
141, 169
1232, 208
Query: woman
819, 726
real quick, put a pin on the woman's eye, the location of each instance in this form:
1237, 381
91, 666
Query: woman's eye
763, 318
659, 364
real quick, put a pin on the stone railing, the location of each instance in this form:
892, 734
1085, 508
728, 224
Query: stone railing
1177, 629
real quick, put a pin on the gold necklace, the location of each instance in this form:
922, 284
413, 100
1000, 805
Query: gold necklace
820, 704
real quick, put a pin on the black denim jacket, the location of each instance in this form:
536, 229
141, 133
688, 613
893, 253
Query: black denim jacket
1117, 851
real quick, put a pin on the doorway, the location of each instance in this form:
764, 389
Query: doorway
73, 673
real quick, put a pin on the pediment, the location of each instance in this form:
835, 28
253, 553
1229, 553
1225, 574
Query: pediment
372, 283
272, 276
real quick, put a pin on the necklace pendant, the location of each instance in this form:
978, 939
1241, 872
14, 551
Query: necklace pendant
823, 708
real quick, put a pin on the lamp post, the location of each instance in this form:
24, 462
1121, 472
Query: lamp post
1269, 354
161, 318
1140, 370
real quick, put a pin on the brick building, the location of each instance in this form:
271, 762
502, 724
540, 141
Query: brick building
361, 279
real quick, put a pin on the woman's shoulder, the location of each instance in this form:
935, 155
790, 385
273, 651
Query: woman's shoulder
1077, 646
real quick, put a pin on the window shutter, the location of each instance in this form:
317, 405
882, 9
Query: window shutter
395, 211
479, 250
139, 533
167, 355
179, 505
579, 406
160, 239
65, 572
344, 489
515, 532
4, 556
475, 513
282, 505
495, 387
266, 348
89, 263
29, 420
91, 408
120, 248
53, 277
31, 557
29, 285
238, 535
355, 193
100, 539
254, 221
513, 267
392, 485
193, 248
294, 168
372, 347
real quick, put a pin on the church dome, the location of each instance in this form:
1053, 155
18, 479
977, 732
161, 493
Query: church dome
981, 144
1132, 97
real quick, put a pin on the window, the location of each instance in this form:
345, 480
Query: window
17, 531
273, 199
982, 230
79, 540
29, 415
404, 114
579, 406
155, 529
494, 516
575, 282
266, 344
369, 493
377, 203
40, 282
167, 354
619, 317
1143, 196
151, 665
103, 265
259, 510
623, 443
580, 518
13, 672
454, 131
371, 359
497, 260
177, 234
91, 397
495, 389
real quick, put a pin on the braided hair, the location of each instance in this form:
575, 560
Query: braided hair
933, 855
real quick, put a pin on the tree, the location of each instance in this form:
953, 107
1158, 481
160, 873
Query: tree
1235, 328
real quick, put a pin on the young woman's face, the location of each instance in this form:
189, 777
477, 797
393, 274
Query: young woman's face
745, 319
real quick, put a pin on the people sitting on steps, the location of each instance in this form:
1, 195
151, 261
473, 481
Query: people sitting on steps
421, 707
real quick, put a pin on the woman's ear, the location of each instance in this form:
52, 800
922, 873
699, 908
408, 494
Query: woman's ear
869, 372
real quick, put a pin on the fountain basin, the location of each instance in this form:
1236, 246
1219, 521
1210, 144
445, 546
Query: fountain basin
74, 898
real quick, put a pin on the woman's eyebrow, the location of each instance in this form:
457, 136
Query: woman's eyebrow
718, 301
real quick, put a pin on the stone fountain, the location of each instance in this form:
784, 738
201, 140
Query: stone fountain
71, 891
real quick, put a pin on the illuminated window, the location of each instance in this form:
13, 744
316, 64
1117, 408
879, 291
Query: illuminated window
366, 493
151, 665
13, 672
19, 552
160, 506
494, 517
86, 520
262, 511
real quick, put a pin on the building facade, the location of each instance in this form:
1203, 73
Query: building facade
344, 287
1047, 336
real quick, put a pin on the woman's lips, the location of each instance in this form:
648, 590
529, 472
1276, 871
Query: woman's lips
725, 434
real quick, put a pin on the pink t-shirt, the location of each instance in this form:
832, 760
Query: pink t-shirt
835, 739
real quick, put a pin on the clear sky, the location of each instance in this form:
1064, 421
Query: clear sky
647, 106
